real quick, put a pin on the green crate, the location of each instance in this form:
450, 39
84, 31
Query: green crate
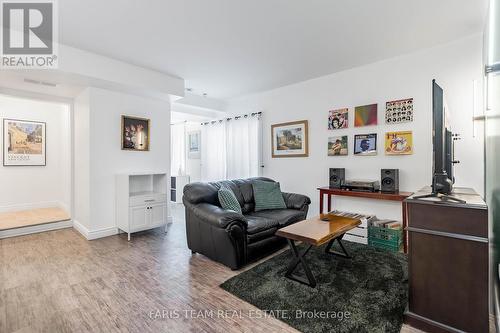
389, 239
385, 246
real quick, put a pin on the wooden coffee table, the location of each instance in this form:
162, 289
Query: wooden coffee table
315, 232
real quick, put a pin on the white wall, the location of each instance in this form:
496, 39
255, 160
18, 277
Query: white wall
454, 66
97, 139
26, 187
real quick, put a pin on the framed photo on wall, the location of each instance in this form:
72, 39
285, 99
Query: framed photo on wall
337, 146
135, 133
194, 144
290, 139
24, 143
365, 144
399, 143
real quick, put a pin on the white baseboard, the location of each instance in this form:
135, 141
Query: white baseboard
35, 229
33, 205
94, 234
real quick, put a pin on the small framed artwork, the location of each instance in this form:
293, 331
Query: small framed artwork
194, 144
365, 115
135, 133
338, 119
24, 143
400, 111
399, 143
337, 146
365, 144
290, 139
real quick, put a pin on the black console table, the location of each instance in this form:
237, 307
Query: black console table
448, 263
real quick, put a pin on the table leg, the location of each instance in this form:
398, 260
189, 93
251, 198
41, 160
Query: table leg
342, 254
300, 258
329, 202
321, 202
405, 225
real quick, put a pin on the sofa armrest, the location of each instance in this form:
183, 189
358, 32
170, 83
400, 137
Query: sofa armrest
296, 201
217, 216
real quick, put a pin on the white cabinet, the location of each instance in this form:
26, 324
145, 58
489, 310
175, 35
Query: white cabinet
141, 201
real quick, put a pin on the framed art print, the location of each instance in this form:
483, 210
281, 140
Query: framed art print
399, 143
338, 119
290, 139
365, 144
400, 111
135, 133
365, 115
337, 146
24, 143
194, 144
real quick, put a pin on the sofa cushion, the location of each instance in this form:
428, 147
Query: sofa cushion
228, 199
265, 234
258, 223
267, 195
283, 217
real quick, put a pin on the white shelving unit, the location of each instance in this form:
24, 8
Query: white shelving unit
177, 184
141, 201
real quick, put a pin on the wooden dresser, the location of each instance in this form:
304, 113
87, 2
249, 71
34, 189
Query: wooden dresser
448, 263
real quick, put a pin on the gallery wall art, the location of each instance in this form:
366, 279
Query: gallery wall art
337, 146
338, 119
24, 143
194, 144
399, 143
135, 133
365, 144
365, 115
400, 111
290, 139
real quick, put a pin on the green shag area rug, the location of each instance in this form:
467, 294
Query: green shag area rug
367, 293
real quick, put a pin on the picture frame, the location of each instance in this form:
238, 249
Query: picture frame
135, 133
24, 143
399, 143
365, 144
290, 139
194, 145
338, 146
338, 119
399, 111
366, 115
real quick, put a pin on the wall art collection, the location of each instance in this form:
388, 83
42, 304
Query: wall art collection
290, 139
24, 143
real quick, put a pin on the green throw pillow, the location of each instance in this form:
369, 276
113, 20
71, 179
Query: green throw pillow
267, 195
228, 199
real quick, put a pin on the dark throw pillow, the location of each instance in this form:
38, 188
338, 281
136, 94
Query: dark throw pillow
267, 195
228, 199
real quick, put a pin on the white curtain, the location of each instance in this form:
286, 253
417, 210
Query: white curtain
178, 149
213, 151
231, 149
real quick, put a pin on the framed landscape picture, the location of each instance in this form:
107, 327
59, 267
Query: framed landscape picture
135, 133
338, 119
365, 144
194, 144
24, 143
337, 146
365, 115
399, 143
290, 139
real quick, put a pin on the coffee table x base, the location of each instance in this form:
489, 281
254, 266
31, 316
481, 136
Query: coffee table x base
300, 258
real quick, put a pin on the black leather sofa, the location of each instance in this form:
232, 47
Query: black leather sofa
231, 238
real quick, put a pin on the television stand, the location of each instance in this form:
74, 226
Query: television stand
443, 197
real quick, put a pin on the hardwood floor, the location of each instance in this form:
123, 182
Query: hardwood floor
59, 282
30, 217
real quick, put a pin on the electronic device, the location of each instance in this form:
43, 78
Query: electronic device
361, 185
337, 177
389, 180
443, 149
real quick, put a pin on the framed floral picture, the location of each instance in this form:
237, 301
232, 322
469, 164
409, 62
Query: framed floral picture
135, 133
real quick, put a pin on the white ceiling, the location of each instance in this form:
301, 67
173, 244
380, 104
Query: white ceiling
232, 47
